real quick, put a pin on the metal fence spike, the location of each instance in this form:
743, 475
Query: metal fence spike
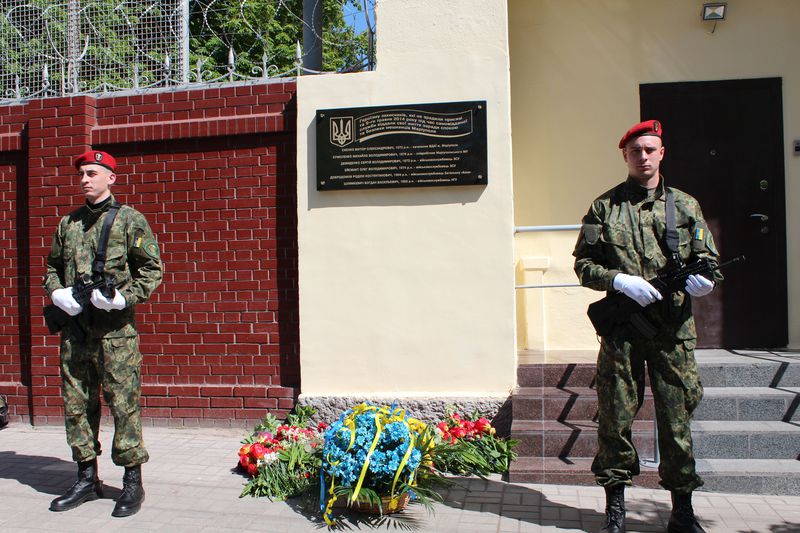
96, 46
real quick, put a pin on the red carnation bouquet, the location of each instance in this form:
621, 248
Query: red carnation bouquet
264, 447
453, 428
282, 460
471, 446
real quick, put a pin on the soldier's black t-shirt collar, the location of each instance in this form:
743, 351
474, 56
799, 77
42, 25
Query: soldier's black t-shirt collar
100, 205
637, 193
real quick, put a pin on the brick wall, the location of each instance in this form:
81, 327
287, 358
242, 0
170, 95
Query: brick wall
15, 378
213, 170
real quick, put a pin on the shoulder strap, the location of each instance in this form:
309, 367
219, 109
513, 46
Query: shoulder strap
99, 263
671, 235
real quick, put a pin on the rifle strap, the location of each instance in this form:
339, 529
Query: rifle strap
99, 263
671, 235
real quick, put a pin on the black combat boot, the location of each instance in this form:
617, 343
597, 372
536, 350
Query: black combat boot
682, 519
615, 510
87, 488
130, 501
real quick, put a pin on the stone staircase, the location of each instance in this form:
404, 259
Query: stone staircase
746, 430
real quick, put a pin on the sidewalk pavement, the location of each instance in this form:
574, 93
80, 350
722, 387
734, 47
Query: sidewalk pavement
191, 486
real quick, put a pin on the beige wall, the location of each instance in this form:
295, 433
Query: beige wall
410, 291
576, 66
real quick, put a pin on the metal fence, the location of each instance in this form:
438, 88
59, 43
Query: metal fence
63, 47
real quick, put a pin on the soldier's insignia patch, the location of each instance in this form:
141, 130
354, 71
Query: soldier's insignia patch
698, 234
137, 239
152, 249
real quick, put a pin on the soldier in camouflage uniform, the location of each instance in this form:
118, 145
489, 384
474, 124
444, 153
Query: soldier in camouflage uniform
620, 246
108, 357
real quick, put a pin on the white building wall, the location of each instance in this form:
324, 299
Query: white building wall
409, 292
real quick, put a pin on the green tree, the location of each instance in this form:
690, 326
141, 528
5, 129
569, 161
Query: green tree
120, 39
114, 39
271, 28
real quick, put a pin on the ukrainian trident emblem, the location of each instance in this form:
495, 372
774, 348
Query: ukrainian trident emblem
342, 130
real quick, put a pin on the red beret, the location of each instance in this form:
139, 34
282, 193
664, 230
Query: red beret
96, 157
648, 127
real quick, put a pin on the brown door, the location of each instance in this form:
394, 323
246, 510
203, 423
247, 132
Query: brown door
724, 146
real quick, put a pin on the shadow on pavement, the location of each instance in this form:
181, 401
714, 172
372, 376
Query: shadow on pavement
43, 474
48, 475
509, 501
518, 502
783, 528
308, 506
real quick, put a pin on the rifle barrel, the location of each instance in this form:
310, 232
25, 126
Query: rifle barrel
699, 267
734, 260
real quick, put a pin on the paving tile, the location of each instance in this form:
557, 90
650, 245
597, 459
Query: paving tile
191, 488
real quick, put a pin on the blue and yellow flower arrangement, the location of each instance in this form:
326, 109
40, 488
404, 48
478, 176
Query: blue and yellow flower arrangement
376, 456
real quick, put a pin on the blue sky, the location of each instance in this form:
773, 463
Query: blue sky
356, 17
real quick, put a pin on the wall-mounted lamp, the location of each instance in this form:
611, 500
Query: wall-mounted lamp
714, 12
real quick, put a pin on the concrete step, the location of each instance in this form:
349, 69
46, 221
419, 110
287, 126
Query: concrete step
749, 403
747, 476
750, 368
718, 368
573, 403
719, 403
745, 440
567, 471
559, 375
572, 439
712, 439
750, 373
746, 431
751, 476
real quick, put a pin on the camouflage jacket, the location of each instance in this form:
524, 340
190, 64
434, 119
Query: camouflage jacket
624, 232
132, 258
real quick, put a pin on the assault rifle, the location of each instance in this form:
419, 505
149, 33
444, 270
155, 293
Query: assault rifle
616, 308
56, 318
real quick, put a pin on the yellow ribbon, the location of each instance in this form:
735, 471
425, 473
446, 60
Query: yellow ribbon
365, 468
351, 425
395, 500
329, 508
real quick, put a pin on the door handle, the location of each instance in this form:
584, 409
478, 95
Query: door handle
759, 216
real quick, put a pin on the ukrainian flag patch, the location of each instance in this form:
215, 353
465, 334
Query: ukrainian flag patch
698, 234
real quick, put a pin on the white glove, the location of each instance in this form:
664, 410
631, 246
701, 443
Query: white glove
636, 288
106, 304
698, 286
64, 300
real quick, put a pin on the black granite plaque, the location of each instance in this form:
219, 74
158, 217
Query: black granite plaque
414, 145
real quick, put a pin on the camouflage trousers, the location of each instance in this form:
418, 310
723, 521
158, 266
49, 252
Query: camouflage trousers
676, 389
112, 366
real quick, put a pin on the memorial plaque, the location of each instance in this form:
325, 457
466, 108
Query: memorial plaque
414, 145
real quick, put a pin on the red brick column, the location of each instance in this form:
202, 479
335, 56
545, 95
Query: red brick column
14, 315
58, 130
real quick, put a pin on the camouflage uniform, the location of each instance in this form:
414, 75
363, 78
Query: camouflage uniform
624, 232
109, 357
